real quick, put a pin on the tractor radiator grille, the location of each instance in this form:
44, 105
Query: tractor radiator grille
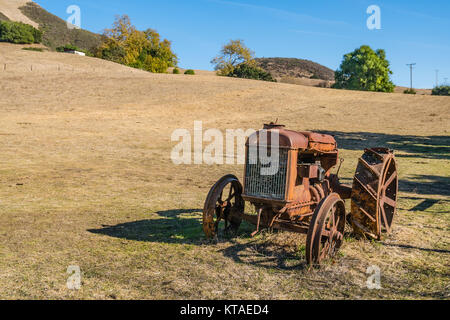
266, 186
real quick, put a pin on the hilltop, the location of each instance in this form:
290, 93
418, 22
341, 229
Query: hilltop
55, 29
295, 68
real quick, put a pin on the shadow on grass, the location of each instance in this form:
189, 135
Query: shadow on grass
406, 246
426, 204
426, 185
266, 255
176, 226
431, 147
182, 226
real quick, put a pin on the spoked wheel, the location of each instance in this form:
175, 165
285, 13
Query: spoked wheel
374, 194
326, 231
223, 208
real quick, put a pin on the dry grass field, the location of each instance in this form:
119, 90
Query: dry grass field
86, 179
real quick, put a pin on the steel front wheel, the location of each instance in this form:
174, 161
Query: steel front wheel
223, 208
326, 231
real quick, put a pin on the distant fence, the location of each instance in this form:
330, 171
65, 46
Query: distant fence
23, 67
54, 68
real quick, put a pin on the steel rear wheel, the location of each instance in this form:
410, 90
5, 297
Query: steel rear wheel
326, 231
223, 208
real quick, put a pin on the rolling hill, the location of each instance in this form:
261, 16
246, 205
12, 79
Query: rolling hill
295, 68
55, 29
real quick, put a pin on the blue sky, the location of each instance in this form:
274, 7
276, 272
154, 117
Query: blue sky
322, 31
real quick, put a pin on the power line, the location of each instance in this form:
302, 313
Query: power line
411, 69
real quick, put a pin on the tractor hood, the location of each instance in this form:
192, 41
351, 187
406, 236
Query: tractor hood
303, 140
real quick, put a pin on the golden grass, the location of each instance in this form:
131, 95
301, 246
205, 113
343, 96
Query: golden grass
86, 179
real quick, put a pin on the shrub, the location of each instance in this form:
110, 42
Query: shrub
176, 71
441, 91
71, 47
18, 32
68, 47
33, 49
410, 91
247, 71
364, 69
190, 72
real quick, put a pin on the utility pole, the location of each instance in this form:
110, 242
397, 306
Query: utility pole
437, 78
411, 69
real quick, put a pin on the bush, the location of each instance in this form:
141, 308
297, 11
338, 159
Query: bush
441, 91
246, 71
190, 72
68, 47
71, 47
410, 91
33, 49
364, 69
176, 71
19, 33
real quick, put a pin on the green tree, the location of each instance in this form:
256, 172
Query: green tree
365, 69
441, 91
123, 43
231, 55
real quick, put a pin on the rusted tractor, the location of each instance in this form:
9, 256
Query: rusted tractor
303, 196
